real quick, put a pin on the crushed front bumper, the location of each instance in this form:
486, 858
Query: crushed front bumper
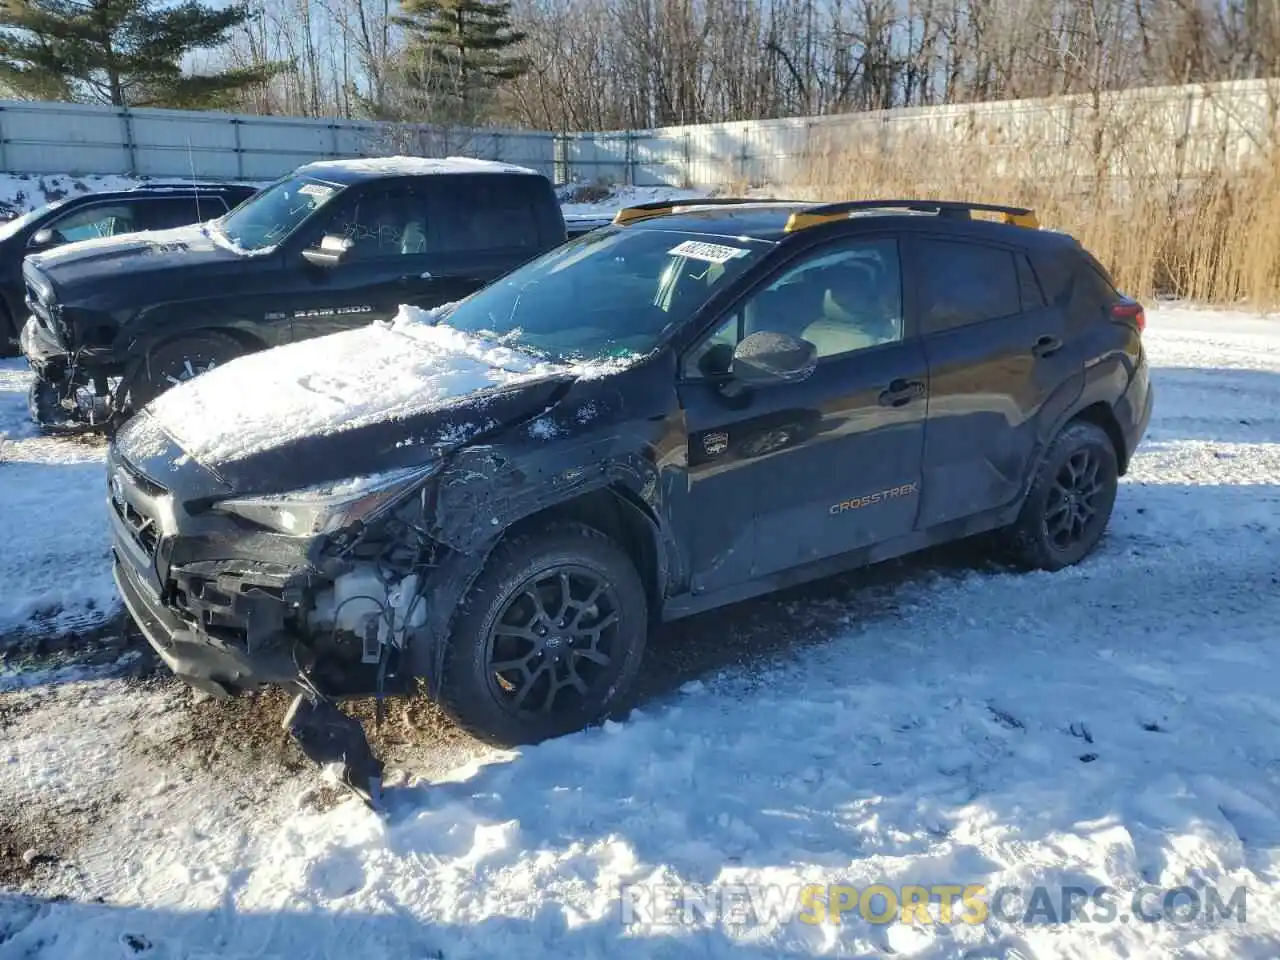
199, 659
220, 662
63, 397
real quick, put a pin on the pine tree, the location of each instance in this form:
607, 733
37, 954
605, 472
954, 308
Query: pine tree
122, 52
458, 55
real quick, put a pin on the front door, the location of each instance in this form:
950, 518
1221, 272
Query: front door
389, 262
783, 475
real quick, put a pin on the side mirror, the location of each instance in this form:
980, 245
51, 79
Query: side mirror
766, 358
331, 252
41, 238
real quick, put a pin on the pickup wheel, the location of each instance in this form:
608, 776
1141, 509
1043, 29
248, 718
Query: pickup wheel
1070, 501
178, 361
548, 640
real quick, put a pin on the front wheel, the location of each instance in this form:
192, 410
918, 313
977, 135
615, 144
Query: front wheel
549, 639
178, 361
1070, 501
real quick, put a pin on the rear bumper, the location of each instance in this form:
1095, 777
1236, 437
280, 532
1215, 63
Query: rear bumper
1135, 408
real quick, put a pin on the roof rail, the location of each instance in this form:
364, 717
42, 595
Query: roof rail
828, 212
662, 208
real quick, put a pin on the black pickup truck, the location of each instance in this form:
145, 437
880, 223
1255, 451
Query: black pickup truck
333, 245
102, 213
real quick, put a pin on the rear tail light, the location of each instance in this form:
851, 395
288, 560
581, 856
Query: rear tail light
1132, 311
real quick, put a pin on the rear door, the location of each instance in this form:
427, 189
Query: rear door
820, 467
487, 225
1001, 364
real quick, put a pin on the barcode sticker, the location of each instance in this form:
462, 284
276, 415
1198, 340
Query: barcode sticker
711, 252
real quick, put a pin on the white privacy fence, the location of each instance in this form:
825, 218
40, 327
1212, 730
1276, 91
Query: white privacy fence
1177, 130
49, 138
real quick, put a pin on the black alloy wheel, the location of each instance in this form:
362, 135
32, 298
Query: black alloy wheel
555, 642
1069, 502
178, 361
549, 638
1075, 499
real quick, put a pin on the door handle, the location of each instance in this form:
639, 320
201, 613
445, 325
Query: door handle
901, 392
1046, 346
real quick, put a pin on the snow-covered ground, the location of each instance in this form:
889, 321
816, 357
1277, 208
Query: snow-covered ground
926, 723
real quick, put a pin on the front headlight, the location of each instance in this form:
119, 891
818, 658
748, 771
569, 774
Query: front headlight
326, 508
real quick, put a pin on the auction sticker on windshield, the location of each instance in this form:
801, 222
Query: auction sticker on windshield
711, 252
315, 190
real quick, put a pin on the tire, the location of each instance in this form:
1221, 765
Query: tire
482, 700
1049, 533
9, 332
177, 361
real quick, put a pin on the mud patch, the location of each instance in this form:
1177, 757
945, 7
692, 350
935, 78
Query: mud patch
34, 846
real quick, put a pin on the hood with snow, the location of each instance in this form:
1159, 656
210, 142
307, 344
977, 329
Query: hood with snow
377, 398
93, 269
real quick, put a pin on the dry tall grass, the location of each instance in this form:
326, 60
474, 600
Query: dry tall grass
1205, 231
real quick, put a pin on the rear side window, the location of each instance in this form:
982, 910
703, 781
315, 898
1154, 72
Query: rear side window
966, 283
487, 212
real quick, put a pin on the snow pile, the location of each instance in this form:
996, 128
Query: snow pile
22, 193
338, 382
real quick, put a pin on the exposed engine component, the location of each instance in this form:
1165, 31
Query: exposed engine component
376, 611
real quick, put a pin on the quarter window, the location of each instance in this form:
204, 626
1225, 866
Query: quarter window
966, 283
842, 298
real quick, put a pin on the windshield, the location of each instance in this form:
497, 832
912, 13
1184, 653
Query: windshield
610, 293
11, 227
268, 217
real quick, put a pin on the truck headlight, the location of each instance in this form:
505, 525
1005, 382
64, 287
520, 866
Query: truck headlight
329, 507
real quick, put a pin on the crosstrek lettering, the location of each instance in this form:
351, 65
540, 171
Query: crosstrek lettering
871, 499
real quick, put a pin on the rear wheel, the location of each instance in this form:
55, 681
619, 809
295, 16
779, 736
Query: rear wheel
549, 639
178, 361
1070, 501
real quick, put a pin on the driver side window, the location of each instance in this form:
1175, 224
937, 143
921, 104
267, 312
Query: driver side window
94, 222
382, 225
843, 297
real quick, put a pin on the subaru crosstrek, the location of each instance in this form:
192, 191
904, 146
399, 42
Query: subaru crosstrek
686, 408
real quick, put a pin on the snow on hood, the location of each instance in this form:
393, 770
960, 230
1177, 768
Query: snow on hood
191, 236
195, 237
340, 382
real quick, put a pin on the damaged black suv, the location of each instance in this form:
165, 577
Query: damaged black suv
696, 404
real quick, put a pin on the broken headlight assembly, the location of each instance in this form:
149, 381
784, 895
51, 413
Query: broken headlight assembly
328, 508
